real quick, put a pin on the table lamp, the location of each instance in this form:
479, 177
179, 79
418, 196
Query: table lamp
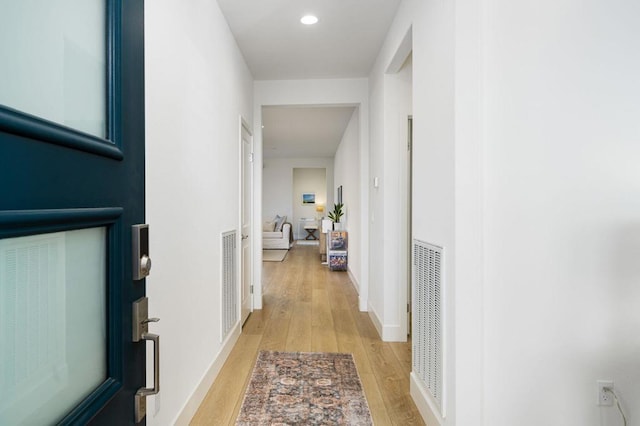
320, 209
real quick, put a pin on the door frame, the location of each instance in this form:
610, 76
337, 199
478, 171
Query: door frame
244, 125
409, 223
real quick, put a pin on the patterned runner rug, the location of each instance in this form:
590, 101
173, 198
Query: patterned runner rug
304, 388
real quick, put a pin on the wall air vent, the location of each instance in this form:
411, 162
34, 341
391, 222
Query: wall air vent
427, 318
229, 299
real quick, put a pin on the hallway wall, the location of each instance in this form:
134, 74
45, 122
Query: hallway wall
562, 218
347, 174
527, 140
390, 91
197, 85
431, 27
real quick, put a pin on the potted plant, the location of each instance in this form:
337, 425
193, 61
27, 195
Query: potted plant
335, 215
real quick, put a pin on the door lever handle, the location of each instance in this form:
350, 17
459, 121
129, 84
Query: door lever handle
141, 320
244, 237
143, 393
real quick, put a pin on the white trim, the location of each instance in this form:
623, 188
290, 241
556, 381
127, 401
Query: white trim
355, 283
192, 404
424, 402
375, 320
394, 333
387, 333
403, 51
245, 125
362, 305
365, 228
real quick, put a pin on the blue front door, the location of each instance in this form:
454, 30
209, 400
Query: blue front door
71, 187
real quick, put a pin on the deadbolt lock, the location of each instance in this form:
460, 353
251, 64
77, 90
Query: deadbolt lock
140, 250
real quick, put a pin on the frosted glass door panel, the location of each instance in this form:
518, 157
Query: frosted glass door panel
53, 341
53, 61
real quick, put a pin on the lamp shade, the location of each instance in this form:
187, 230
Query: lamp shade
319, 208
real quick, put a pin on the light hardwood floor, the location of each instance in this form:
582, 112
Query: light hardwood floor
308, 308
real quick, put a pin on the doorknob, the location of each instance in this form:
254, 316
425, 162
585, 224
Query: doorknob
141, 322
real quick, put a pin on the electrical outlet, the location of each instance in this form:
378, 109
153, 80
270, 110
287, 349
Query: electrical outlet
605, 397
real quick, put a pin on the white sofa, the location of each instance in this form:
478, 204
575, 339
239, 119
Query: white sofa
278, 240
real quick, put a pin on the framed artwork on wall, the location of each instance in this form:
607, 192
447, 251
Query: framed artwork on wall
308, 198
340, 194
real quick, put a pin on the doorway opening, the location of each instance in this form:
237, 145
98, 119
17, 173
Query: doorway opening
309, 200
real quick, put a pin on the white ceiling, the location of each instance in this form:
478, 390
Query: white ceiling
303, 132
276, 46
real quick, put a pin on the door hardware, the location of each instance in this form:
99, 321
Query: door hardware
141, 322
140, 250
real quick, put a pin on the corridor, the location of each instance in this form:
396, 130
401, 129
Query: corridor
308, 308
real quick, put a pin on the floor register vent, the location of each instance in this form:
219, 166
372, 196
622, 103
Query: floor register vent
229, 297
427, 318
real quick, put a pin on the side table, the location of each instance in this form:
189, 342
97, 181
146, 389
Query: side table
311, 232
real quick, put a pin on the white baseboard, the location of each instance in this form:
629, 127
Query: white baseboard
363, 304
393, 333
387, 333
422, 400
355, 282
376, 321
193, 403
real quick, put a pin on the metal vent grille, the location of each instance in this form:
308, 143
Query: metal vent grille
229, 297
427, 314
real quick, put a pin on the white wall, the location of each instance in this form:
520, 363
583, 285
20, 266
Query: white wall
562, 218
197, 85
391, 105
431, 24
277, 185
347, 174
526, 143
307, 180
350, 92
377, 196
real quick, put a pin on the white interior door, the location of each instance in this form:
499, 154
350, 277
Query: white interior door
246, 214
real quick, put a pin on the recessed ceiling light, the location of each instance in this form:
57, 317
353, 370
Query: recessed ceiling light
309, 19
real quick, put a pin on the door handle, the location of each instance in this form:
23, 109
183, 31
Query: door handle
244, 237
142, 393
141, 320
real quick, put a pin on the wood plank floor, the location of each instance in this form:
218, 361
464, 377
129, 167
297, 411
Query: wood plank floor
308, 308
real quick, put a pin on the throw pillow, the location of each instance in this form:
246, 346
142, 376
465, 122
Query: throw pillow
279, 222
268, 226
